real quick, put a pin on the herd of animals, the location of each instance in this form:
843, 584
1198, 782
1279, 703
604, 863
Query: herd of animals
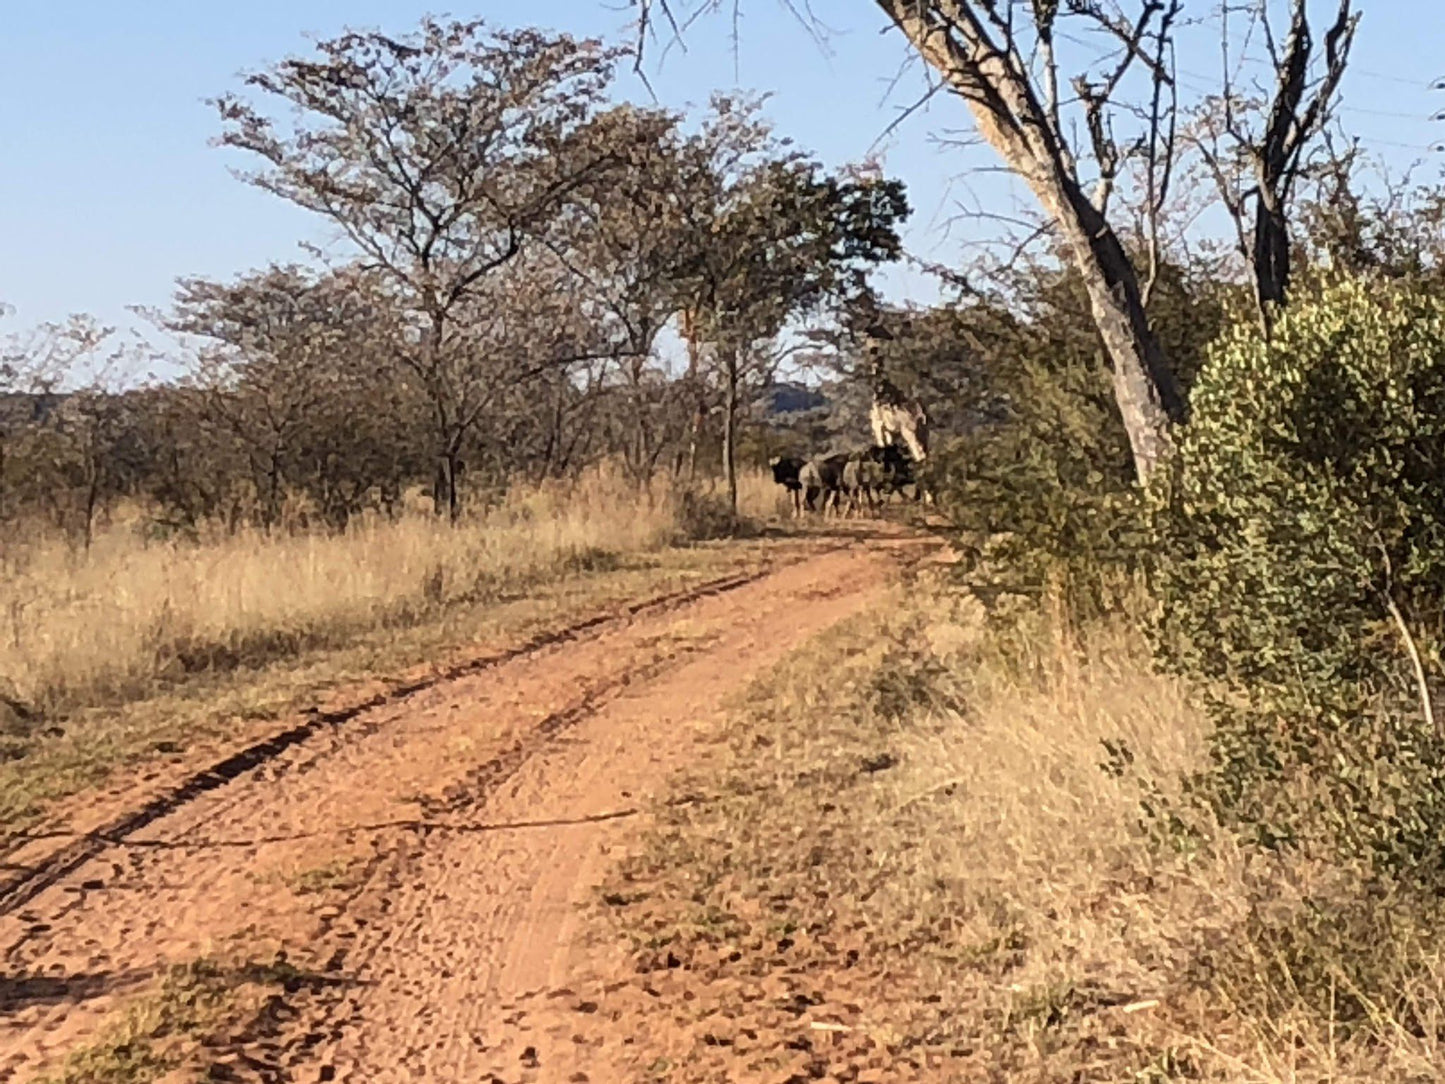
850, 482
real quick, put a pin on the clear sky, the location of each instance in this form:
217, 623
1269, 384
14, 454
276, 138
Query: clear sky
109, 189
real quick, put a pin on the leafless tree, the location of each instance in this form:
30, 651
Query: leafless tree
1255, 144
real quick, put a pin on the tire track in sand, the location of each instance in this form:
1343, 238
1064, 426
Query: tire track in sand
479, 810
31, 873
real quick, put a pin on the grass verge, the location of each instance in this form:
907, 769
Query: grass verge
142, 651
133, 615
919, 853
47, 763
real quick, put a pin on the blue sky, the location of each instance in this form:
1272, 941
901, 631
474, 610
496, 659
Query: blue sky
109, 189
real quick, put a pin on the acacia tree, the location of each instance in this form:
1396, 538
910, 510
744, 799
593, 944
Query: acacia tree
57, 421
442, 157
625, 242
31, 367
733, 145
800, 241
999, 56
300, 371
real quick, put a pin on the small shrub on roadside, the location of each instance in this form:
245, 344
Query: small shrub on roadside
1046, 496
702, 517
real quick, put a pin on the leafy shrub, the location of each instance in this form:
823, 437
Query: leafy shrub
1048, 489
705, 516
1301, 561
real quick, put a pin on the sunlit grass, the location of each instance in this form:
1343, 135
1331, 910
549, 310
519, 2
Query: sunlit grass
84, 626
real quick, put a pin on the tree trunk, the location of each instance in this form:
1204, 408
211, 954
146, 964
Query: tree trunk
730, 417
272, 499
439, 495
446, 492
554, 438
1144, 386
454, 487
699, 415
449, 430
1015, 122
92, 497
1271, 257
693, 382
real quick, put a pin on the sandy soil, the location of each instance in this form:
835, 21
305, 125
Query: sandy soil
465, 824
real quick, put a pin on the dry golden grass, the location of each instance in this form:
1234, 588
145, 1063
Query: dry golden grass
77, 628
143, 649
930, 794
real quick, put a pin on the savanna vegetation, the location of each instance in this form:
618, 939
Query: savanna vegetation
1150, 786
472, 402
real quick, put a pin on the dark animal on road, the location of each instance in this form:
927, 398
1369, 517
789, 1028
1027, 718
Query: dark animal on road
896, 468
822, 477
864, 477
785, 473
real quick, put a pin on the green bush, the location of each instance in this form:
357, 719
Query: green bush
1300, 559
1043, 478
1047, 491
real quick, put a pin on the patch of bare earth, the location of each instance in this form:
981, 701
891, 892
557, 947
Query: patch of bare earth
422, 861
759, 952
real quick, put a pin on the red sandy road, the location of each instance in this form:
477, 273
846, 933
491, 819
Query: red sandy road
464, 907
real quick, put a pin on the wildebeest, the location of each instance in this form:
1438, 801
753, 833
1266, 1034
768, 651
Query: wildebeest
785, 472
864, 477
874, 474
823, 476
897, 468
857, 483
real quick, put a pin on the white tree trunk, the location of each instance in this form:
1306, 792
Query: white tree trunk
1020, 127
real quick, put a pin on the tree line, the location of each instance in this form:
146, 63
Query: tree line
512, 247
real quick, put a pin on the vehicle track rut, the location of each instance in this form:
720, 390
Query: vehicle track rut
30, 877
467, 818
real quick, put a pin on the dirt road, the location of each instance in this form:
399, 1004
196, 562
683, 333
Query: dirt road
429, 856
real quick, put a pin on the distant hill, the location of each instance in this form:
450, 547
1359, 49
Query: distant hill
795, 419
786, 397
26, 408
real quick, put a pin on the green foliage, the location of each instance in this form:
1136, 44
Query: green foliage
1050, 488
1041, 475
1300, 560
1357, 956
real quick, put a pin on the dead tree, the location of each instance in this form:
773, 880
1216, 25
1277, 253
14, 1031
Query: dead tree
1272, 155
